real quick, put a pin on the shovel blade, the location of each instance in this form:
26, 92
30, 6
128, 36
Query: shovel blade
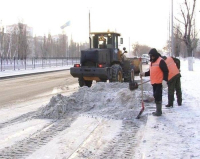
141, 111
133, 85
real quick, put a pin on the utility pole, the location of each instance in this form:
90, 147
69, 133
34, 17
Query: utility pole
129, 46
89, 30
169, 50
89, 24
172, 29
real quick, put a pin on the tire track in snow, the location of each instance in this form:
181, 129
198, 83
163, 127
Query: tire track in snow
122, 146
20, 119
27, 146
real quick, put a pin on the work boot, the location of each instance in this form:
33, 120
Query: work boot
170, 101
179, 104
179, 101
168, 105
158, 111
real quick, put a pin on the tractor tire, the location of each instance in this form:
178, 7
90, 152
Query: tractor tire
81, 82
102, 80
132, 78
117, 74
127, 71
128, 77
88, 83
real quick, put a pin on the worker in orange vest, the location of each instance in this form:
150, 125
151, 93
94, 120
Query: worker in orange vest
174, 80
158, 73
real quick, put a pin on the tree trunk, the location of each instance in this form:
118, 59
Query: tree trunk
190, 63
190, 58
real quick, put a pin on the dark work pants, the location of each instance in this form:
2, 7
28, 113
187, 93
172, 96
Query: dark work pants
174, 85
157, 92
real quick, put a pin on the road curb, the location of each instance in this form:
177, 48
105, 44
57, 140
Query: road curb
29, 74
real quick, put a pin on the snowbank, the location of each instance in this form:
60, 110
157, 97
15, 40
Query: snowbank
110, 100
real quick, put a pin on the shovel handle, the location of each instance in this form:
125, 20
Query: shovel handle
143, 82
141, 77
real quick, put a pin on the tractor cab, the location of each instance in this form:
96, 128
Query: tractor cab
105, 40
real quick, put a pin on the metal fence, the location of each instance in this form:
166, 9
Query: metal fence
32, 63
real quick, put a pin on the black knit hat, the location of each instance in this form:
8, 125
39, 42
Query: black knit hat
153, 52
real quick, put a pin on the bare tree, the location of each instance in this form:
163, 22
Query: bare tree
44, 47
138, 49
2, 42
49, 46
198, 49
177, 41
188, 32
63, 45
135, 48
22, 41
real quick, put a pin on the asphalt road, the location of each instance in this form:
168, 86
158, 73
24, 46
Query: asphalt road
27, 87
24, 88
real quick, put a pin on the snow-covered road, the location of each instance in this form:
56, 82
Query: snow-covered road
99, 122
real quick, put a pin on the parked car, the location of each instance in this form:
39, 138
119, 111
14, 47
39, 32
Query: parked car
145, 58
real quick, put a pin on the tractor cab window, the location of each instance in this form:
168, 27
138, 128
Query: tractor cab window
105, 40
110, 41
102, 42
116, 42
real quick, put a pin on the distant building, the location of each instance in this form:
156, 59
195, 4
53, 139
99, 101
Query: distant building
15, 28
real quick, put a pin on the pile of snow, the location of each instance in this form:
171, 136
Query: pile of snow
110, 100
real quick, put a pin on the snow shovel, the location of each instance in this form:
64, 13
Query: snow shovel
142, 109
134, 85
143, 82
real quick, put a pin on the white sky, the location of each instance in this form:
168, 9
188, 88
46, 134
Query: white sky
143, 21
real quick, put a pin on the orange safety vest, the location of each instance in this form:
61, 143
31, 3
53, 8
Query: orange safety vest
156, 74
173, 70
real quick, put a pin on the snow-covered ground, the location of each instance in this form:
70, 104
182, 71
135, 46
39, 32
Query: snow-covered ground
99, 122
9, 73
177, 133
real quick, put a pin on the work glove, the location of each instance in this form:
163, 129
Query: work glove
142, 74
164, 84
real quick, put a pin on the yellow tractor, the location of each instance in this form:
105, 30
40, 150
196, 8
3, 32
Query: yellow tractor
105, 61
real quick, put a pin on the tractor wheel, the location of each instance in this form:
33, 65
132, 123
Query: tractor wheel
102, 80
88, 83
82, 82
117, 74
128, 77
132, 75
127, 71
